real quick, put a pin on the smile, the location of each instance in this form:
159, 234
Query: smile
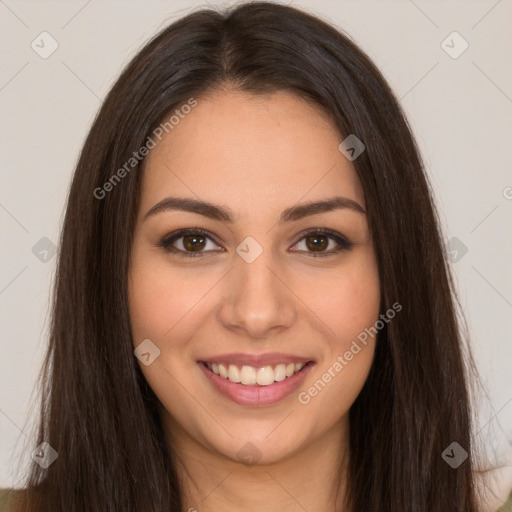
256, 386
250, 375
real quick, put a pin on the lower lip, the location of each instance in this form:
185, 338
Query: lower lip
256, 396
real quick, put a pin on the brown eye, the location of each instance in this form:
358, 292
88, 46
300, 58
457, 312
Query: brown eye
194, 242
317, 242
322, 242
190, 242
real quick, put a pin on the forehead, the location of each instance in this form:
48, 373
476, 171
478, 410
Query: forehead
250, 150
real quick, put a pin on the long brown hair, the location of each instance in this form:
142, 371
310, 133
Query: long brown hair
98, 412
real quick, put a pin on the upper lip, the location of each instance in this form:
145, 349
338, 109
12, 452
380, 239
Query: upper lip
260, 360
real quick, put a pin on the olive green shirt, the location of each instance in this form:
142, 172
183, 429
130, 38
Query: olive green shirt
8, 498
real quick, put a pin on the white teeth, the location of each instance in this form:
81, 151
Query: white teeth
249, 375
280, 372
223, 372
233, 373
265, 376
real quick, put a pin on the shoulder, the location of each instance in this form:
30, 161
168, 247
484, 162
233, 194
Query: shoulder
9, 498
507, 506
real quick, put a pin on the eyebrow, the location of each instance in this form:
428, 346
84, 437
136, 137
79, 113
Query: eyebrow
225, 214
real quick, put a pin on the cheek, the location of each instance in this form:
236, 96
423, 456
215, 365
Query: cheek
346, 300
347, 305
151, 312
160, 299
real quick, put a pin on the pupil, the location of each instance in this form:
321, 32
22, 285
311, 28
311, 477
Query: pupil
318, 242
193, 241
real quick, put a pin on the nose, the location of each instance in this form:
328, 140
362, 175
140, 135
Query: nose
258, 302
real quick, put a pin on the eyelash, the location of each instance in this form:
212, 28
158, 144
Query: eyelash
166, 243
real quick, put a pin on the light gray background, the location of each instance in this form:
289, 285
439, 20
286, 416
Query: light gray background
460, 110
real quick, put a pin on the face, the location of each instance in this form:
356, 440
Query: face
261, 282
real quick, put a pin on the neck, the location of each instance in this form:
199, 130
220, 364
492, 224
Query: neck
311, 478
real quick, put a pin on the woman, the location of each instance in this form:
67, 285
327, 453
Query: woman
253, 308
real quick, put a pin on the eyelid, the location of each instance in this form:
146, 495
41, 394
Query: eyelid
324, 231
344, 244
166, 242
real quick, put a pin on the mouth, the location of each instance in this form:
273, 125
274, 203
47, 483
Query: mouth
247, 375
255, 386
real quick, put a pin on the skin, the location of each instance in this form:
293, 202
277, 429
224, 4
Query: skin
256, 155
